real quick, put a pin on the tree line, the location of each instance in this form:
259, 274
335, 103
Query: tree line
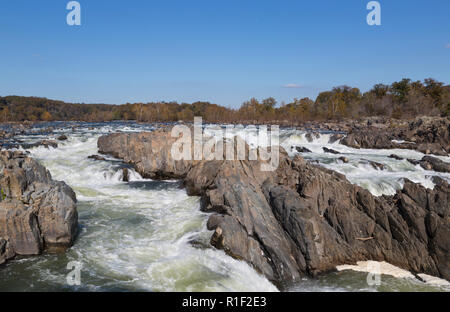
401, 99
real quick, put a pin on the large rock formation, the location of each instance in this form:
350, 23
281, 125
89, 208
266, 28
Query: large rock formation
429, 135
36, 213
301, 218
138, 149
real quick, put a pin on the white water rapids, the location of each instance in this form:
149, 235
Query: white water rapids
150, 236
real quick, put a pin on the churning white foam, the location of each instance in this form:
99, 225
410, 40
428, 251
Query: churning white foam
358, 169
384, 268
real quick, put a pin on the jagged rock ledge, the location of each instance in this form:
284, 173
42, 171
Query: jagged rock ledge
36, 212
429, 135
300, 219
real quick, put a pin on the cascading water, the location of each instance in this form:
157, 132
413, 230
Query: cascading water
146, 235
138, 236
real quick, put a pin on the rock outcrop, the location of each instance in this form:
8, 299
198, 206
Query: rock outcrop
36, 212
301, 218
139, 149
433, 163
429, 135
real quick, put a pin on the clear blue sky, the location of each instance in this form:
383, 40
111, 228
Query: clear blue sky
220, 51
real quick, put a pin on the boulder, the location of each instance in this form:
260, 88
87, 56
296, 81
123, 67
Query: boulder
393, 156
125, 175
329, 150
36, 212
97, 157
62, 137
335, 137
413, 161
372, 138
435, 164
302, 149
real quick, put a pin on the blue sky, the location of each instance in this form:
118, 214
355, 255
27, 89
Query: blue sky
219, 51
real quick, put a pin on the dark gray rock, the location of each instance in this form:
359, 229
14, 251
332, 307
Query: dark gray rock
310, 136
302, 149
393, 156
329, 150
335, 137
435, 164
97, 157
413, 161
125, 175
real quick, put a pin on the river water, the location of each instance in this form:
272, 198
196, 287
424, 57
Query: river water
146, 235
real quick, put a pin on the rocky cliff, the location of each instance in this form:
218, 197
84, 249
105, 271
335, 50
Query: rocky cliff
36, 213
300, 219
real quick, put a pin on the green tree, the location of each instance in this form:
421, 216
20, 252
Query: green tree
435, 90
400, 89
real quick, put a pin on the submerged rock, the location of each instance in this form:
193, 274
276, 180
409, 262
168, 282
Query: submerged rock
393, 156
413, 161
300, 219
302, 149
335, 137
97, 157
62, 138
36, 212
329, 150
310, 136
374, 164
125, 175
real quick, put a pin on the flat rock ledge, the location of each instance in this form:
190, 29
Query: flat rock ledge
36, 212
301, 219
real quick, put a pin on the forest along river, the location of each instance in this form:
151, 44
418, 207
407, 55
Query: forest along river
146, 235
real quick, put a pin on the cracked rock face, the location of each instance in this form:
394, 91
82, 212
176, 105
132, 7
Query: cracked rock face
301, 219
36, 213
424, 134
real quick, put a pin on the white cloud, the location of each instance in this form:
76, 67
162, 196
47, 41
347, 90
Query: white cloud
292, 86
